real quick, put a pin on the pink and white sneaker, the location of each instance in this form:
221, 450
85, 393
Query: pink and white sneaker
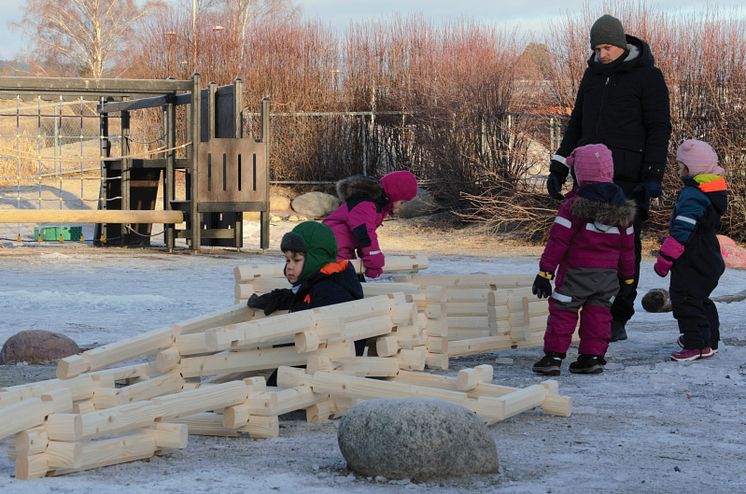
689, 354
680, 342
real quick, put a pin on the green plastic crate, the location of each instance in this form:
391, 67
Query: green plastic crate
53, 233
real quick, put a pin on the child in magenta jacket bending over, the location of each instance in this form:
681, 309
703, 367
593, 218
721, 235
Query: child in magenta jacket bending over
365, 203
591, 247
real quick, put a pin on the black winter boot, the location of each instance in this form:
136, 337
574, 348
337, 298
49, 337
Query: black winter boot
588, 364
618, 333
549, 365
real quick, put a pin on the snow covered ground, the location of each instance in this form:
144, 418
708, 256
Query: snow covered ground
645, 425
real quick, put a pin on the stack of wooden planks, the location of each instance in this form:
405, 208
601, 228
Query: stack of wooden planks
206, 376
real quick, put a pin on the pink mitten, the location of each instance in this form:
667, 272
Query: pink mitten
662, 266
671, 249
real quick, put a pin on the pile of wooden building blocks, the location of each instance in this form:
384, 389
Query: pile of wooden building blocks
206, 375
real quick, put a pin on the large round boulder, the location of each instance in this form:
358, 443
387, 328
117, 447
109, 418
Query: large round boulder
422, 205
315, 204
37, 346
417, 439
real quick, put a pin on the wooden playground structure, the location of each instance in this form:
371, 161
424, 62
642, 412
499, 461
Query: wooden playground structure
226, 169
205, 375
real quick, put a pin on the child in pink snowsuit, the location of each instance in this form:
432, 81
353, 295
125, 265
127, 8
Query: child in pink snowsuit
591, 246
365, 203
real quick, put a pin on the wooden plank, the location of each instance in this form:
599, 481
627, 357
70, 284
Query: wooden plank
31, 412
230, 315
491, 409
473, 322
468, 379
170, 383
206, 424
167, 359
89, 216
459, 334
32, 441
81, 388
249, 360
320, 412
475, 280
262, 427
369, 366
31, 466
436, 361
272, 330
474, 346
65, 457
411, 359
249, 272
113, 353
72, 427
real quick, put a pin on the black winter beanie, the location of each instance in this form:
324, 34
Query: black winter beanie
608, 30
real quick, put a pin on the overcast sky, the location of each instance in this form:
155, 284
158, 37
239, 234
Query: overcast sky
526, 15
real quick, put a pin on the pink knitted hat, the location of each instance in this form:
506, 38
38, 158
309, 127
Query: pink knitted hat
699, 157
592, 163
399, 185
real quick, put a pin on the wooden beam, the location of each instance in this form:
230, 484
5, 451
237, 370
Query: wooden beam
89, 216
122, 418
31, 412
106, 355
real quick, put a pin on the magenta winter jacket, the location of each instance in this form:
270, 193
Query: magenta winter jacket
355, 221
365, 203
592, 230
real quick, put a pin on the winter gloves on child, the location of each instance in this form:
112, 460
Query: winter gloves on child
556, 179
542, 287
670, 250
269, 302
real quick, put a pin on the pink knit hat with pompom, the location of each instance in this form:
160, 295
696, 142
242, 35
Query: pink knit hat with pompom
592, 163
699, 157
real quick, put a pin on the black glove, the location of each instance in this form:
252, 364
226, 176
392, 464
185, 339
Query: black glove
625, 290
542, 287
649, 189
556, 179
268, 302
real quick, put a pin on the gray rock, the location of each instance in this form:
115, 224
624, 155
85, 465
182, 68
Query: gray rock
37, 346
422, 205
418, 439
315, 204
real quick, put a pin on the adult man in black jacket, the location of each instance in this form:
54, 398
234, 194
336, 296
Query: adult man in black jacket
622, 102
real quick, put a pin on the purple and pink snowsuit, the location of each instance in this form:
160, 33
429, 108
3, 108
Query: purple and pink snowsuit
591, 245
365, 203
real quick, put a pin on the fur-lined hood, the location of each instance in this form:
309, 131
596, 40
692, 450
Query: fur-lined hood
360, 186
604, 212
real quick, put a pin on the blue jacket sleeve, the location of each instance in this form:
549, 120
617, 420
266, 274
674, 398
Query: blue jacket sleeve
689, 209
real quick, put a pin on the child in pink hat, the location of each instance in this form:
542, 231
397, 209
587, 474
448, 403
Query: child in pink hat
365, 203
692, 251
590, 247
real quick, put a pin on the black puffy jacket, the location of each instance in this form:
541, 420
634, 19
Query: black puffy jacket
625, 106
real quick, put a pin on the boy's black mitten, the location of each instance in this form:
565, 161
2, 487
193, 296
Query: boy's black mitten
268, 302
542, 287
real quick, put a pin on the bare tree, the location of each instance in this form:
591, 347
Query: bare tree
81, 37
